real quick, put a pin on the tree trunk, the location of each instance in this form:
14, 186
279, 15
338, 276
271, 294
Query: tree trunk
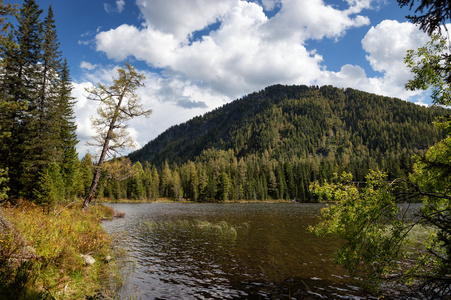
96, 179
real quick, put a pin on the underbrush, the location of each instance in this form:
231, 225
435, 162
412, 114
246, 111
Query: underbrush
41, 257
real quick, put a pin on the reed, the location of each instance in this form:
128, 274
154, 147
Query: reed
222, 228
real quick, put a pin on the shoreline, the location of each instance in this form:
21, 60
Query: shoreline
166, 200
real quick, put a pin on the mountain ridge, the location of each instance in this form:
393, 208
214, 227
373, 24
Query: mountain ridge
298, 121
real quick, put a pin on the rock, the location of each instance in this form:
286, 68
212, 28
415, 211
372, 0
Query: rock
31, 250
108, 258
88, 259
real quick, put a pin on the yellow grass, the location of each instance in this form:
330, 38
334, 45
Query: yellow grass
58, 237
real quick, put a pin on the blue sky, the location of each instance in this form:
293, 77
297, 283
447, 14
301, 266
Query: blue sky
198, 55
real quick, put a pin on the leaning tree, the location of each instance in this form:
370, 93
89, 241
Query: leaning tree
118, 104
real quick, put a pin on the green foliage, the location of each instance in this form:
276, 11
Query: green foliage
432, 177
223, 186
3, 180
5, 107
50, 187
431, 66
364, 217
431, 70
375, 240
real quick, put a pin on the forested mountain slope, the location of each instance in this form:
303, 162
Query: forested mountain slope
301, 121
273, 144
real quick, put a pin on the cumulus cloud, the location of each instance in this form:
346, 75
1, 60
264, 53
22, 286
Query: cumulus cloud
246, 52
269, 5
83, 110
181, 18
313, 19
386, 45
387, 57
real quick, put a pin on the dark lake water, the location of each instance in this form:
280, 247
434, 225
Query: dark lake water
268, 253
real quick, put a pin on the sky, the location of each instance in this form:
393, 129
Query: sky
198, 55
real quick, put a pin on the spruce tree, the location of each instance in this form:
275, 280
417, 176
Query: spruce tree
23, 86
67, 132
7, 108
48, 112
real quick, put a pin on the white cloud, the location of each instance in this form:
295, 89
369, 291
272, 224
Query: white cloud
387, 44
83, 109
269, 5
106, 7
149, 45
87, 65
247, 52
120, 5
111, 9
313, 19
181, 18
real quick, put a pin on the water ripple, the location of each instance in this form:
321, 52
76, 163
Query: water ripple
269, 255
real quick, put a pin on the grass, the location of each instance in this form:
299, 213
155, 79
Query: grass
221, 229
58, 237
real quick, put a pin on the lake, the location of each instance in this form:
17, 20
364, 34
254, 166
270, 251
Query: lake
229, 251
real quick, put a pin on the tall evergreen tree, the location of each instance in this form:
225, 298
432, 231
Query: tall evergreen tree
43, 129
7, 109
67, 131
48, 112
22, 86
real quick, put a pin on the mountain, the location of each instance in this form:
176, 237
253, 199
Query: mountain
301, 121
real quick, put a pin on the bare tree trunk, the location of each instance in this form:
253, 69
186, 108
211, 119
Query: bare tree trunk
98, 170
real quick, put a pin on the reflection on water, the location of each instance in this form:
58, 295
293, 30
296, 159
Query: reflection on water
271, 256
